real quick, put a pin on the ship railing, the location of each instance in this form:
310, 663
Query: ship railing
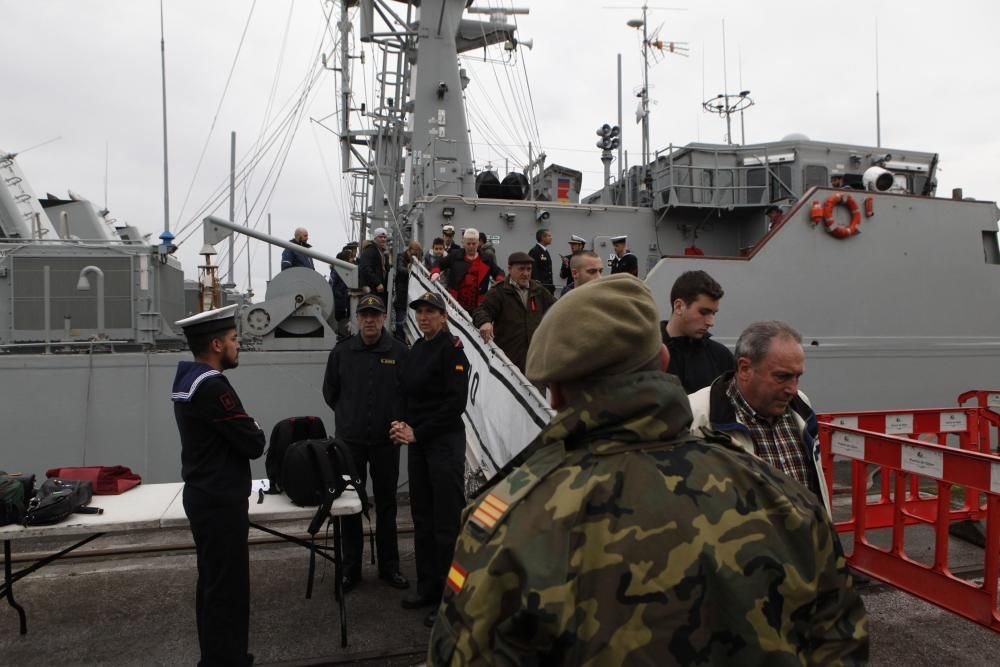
919, 474
721, 184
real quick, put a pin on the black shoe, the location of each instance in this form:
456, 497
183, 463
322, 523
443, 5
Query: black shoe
395, 579
348, 584
430, 618
419, 602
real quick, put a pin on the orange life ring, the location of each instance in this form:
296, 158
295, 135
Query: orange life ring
839, 231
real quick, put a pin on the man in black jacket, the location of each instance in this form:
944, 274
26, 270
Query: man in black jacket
542, 271
373, 264
694, 358
361, 385
218, 439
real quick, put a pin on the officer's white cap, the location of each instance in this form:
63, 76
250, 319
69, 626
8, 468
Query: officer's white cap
219, 319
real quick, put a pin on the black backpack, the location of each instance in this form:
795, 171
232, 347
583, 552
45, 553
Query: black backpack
56, 499
317, 472
15, 491
284, 433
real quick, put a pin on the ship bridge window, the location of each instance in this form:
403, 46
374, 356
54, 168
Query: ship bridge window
815, 174
780, 182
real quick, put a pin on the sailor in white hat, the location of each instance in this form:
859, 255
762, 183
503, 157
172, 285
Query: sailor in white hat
623, 261
576, 244
218, 440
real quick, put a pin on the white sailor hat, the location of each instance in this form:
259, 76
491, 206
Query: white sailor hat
577, 239
219, 319
619, 239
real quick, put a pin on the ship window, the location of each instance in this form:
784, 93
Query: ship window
919, 183
755, 186
781, 174
991, 250
815, 174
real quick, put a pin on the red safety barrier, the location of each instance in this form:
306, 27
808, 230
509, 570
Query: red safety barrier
909, 447
963, 427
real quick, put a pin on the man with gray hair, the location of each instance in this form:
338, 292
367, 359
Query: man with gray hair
469, 273
291, 258
760, 408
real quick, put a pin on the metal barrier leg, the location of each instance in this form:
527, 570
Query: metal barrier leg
8, 587
338, 585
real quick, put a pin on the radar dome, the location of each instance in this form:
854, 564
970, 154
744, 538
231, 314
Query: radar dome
795, 136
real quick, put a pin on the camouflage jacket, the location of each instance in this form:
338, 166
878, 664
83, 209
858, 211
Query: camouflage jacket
622, 540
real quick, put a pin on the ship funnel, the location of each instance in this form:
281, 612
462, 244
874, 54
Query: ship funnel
878, 179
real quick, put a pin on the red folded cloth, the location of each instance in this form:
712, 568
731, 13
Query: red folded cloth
106, 480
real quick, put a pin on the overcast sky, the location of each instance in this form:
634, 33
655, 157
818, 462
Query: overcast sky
89, 73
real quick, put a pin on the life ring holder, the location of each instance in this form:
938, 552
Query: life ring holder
840, 231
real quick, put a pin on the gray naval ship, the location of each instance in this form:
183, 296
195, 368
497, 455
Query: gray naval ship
871, 272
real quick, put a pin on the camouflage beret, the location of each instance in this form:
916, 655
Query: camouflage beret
606, 327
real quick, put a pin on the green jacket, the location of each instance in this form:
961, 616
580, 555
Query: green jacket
513, 322
623, 540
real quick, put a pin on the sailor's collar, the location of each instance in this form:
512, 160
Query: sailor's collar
190, 375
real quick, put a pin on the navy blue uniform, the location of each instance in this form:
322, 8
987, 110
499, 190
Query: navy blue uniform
627, 263
361, 385
435, 387
542, 269
218, 440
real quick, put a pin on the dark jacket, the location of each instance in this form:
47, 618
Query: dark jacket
697, 362
627, 263
542, 270
457, 266
361, 385
341, 298
513, 323
400, 297
291, 258
373, 268
218, 437
435, 386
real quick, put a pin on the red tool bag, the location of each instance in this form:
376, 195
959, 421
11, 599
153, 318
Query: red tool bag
105, 480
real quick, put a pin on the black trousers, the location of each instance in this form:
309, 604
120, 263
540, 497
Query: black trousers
437, 497
222, 598
384, 463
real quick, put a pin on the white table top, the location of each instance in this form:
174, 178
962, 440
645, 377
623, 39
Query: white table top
154, 506
138, 508
274, 508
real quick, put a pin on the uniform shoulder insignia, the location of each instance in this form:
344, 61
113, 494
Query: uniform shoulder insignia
228, 400
491, 509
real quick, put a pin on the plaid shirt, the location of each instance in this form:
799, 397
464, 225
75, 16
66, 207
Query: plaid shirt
777, 442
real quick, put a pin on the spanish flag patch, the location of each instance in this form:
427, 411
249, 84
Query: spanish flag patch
456, 578
489, 511
460, 368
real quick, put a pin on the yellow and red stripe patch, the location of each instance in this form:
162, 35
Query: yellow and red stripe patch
489, 511
460, 368
456, 578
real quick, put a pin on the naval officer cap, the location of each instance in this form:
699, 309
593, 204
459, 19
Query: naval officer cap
370, 302
619, 239
431, 299
577, 239
606, 327
211, 321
